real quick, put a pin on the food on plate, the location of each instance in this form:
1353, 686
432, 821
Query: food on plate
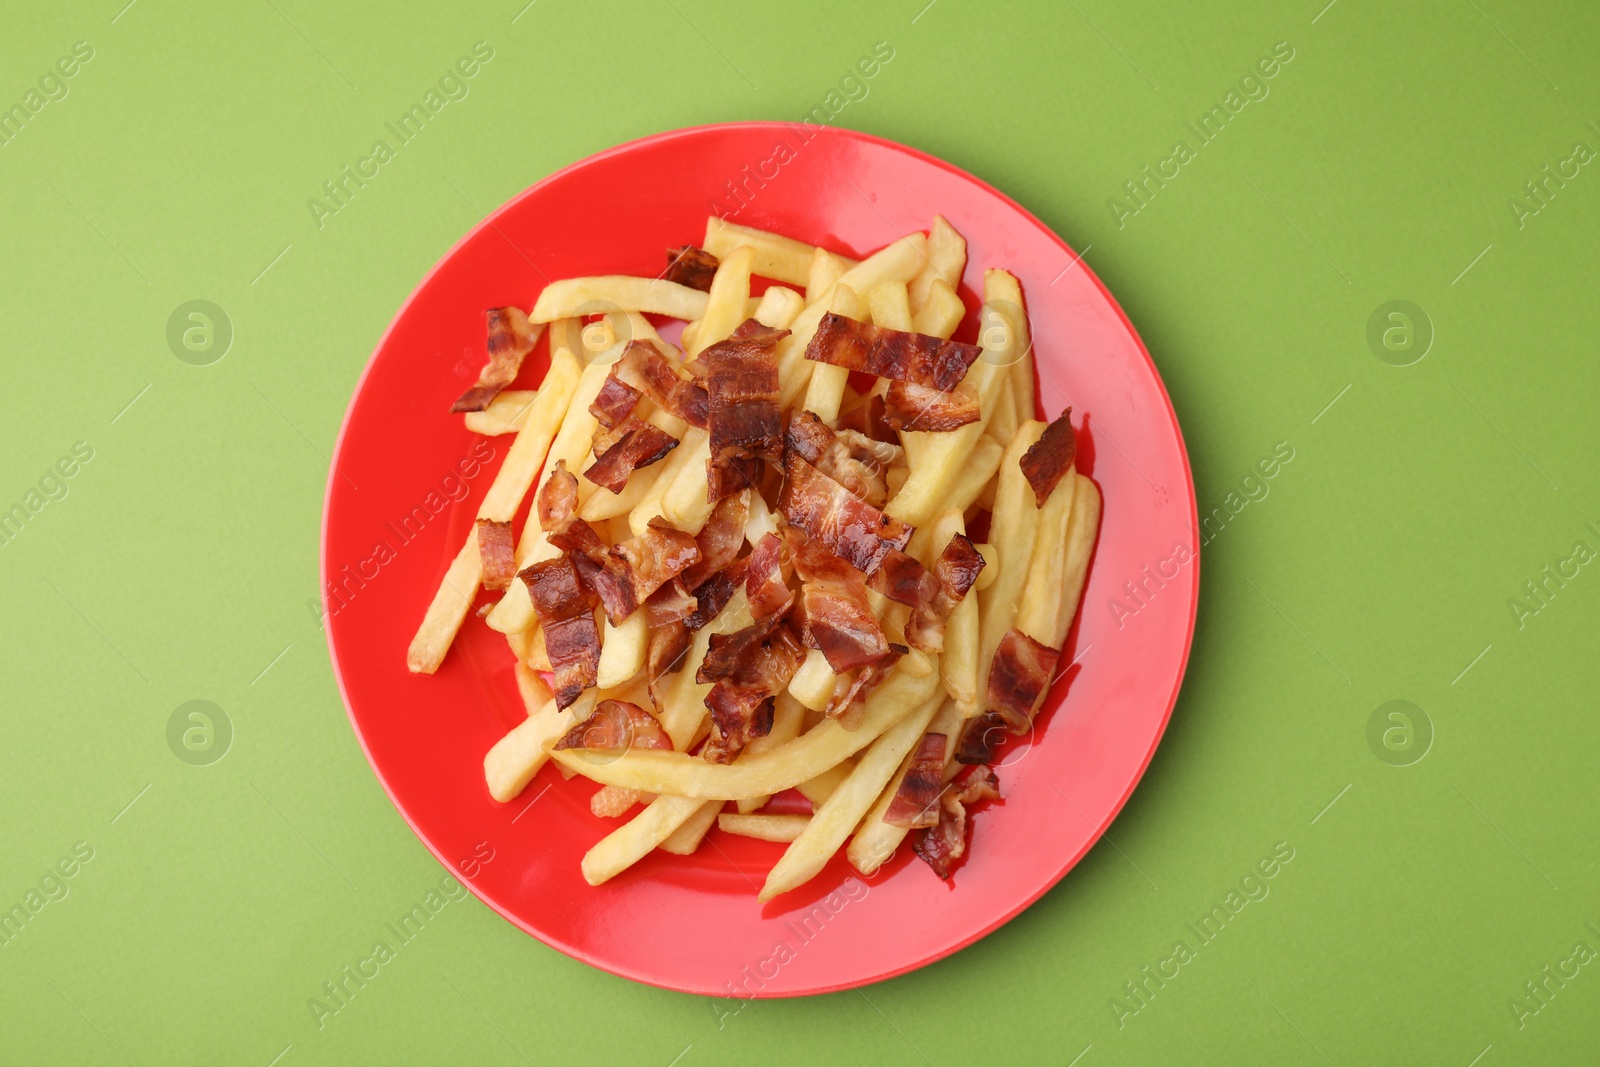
793, 571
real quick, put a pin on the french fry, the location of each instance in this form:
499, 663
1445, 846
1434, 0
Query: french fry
977, 472
513, 761
540, 427
825, 270
763, 827
991, 566
1003, 427
826, 387
725, 303
842, 811
944, 454
941, 313
610, 801
781, 258
787, 716
947, 258
812, 684
958, 663
686, 839
778, 307
895, 262
684, 504
635, 839
617, 292
1060, 561
823, 746
1014, 538
604, 504
1022, 390
622, 649
761, 520
532, 688
505, 413
819, 789
683, 699
875, 840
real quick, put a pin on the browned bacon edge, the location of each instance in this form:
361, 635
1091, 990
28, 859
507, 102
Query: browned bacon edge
511, 338
766, 656
642, 367
639, 446
850, 691
498, 554
910, 357
614, 402
852, 529
624, 575
743, 420
942, 845
1018, 678
764, 583
981, 737
837, 619
916, 803
852, 459
617, 724
953, 574
1048, 460
558, 498
909, 406
570, 637
870, 419
691, 266
719, 539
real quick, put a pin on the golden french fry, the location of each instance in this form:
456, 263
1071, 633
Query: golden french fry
686, 839
634, 840
725, 304
787, 716
826, 387
819, 789
604, 504
825, 270
991, 566
763, 827
1003, 427
977, 472
781, 258
532, 688
617, 292
540, 427
812, 684
890, 306
1014, 537
694, 446
761, 520
842, 811
823, 746
513, 761
778, 307
1082, 531
684, 700
875, 840
941, 313
622, 649
609, 801
684, 504
1022, 390
947, 258
505, 413
958, 663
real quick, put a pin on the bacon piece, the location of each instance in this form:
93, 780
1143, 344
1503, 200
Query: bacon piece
941, 845
852, 459
625, 575
691, 266
645, 369
838, 619
764, 583
713, 594
953, 574
640, 445
851, 528
743, 419
850, 691
665, 655
982, 736
870, 419
511, 338
1049, 458
720, 539
498, 555
617, 724
671, 603
570, 636
751, 668
908, 357
902, 579
1018, 678
916, 803
909, 406
615, 402
558, 498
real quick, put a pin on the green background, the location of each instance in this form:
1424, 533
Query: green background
182, 562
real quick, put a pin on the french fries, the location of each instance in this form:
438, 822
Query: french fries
650, 732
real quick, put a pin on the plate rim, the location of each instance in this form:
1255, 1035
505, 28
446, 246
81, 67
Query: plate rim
623, 970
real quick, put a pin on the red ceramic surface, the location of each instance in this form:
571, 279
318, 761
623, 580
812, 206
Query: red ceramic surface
693, 923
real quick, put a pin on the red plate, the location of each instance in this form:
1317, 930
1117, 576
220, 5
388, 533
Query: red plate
693, 923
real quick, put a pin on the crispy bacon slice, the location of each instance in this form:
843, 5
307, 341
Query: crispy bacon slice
615, 402
1048, 460
740, 714
558, 498
909, 406
726, 652
1018, 677
671, 603
870, 419
982, 736
640, 445
691, 266
743, 419
665, 655
713, 594
617, 724
916, 802
953, 574
511, 338
498, 554
570, 636
851, 528
850, 690
720, 538
908, 357
635, 568
902, 579
941, 845
836, 616
741, 701
852, 459
764, 581
643, 368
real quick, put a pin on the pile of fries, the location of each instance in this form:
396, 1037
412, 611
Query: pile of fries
745, 593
